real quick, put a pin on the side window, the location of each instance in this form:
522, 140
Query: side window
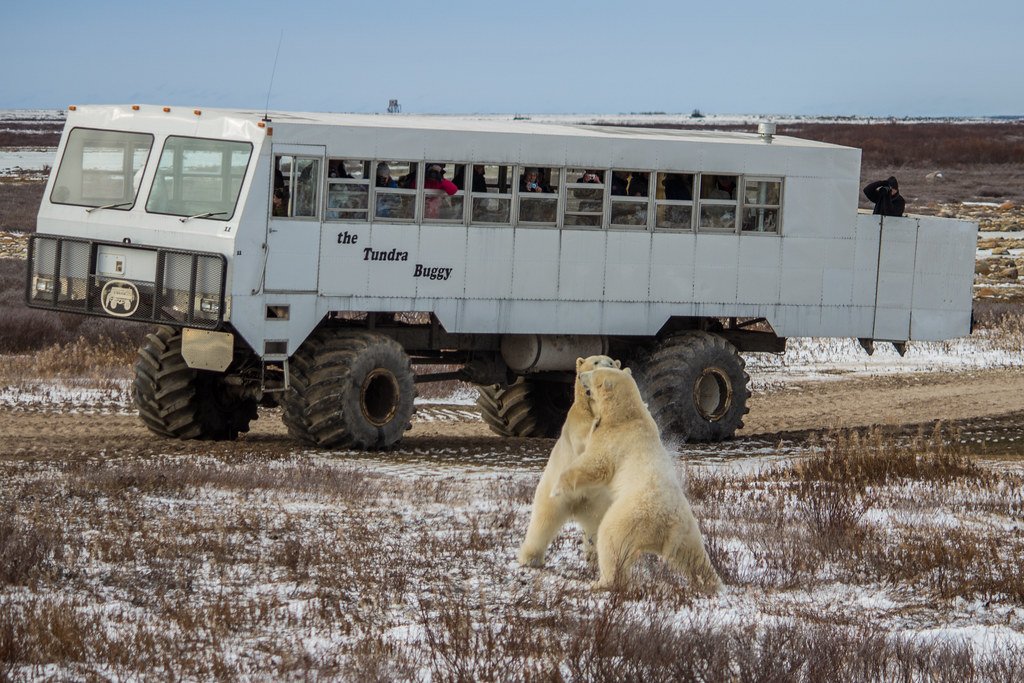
762, 199
443, 199
296, 186
395, 190
538, 194
490, 186
673, 201
718, 202
584, 198
348, 190
630, 198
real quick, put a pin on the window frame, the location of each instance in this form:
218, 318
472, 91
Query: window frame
364, 181
416, 192
558, 195
690, 203
702, 202
781, 180
513, 186
127, 178
647, 225
218, 216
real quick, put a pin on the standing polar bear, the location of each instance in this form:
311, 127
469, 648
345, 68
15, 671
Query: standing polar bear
550, 514
625, 459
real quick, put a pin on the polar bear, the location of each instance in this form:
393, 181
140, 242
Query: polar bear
625, 459
550, 514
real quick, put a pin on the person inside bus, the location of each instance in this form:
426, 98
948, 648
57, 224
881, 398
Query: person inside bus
280, 194
408, 181
530, 182
637, 185
620, 183
886, 196
479, 181
678, 187
590, 177
724, 187
385, 202
434, 203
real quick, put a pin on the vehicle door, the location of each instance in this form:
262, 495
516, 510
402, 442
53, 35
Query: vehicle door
293, 229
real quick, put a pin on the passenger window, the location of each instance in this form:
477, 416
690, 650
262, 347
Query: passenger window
674, 201
762, 198
538, 194
718, 202
348, 189
630, 192
584, 203
443, 199
395, 190
296, 186
491, 188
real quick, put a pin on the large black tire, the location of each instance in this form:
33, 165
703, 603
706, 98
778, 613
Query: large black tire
695, 386
349, 389
177, 401
528, 407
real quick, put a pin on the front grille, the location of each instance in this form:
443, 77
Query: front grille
181, 288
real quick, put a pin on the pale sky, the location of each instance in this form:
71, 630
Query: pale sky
897, 58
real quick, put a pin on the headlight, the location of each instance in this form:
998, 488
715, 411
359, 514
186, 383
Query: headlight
209, 305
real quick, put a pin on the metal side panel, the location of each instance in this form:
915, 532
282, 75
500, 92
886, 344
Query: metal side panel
440, 269
943, 279
344, 266
489, 263
802, 270
865, 269
896, 259
716, 269
627, 266
581, 265
672, 266
394, 250
535, 264
759, 273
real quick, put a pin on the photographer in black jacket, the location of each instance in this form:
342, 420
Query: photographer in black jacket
886, 196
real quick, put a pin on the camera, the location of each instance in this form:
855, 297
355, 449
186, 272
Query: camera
533, 186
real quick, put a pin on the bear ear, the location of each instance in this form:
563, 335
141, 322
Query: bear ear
617, 363
609, 383
579, 363
627, 371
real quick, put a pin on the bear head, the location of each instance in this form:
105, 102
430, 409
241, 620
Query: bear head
613, 393
588, 364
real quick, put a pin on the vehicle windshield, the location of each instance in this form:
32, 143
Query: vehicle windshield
199, 178
101, 168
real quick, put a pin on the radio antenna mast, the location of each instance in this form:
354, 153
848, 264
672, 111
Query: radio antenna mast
266, 110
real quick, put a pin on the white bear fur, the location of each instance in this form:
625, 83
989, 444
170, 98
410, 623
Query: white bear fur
625, 459
550, 514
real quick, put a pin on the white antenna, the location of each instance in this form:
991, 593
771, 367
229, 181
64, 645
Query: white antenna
266, 110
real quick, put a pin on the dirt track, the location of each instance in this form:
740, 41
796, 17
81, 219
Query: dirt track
988, 406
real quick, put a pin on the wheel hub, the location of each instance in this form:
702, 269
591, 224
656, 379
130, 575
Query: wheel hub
712, 394
379, 397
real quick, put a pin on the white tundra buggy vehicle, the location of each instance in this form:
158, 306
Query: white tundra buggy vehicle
315, 258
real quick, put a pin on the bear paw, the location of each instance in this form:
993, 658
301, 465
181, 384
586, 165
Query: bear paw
531, 558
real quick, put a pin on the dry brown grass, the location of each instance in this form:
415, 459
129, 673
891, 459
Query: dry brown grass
19, 204
243, 565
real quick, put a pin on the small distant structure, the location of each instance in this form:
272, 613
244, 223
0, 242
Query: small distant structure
696, 114
394, 107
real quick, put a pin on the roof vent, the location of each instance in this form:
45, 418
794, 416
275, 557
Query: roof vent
766, 130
